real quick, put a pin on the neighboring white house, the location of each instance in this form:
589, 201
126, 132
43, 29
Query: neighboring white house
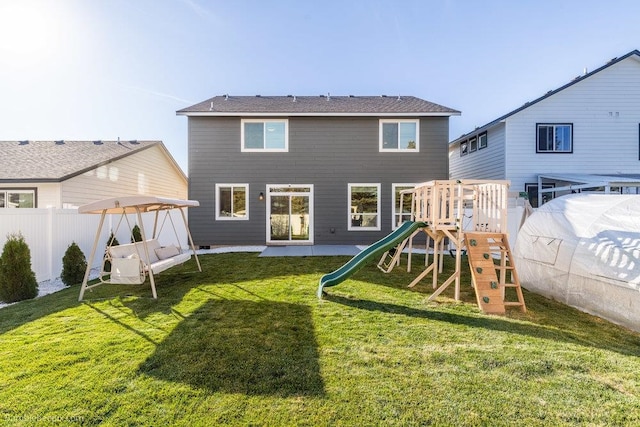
584, 135
67, 174
47, 180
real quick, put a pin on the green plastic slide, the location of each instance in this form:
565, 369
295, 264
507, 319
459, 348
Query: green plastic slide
357, 262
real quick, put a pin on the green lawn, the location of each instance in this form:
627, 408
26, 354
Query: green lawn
247, 342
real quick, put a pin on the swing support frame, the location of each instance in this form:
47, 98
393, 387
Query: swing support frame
138, 205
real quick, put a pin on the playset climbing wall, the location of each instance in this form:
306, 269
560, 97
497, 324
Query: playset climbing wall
493, 271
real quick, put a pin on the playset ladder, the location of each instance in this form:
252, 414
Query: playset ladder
391, 258
491, 264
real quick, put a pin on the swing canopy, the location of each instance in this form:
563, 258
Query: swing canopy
133, 204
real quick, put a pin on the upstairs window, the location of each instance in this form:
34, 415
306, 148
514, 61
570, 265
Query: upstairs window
399, 135
265, 135
464, 148
554, 138
482, 141
473, 144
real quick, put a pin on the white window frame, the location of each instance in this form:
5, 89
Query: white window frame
262, 150
473, 144
296, 190
394, 213
483, 140
351, 227
246, 202
398, 122
8, 191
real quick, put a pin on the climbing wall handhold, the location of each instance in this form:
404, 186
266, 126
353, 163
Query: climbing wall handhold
479, 270
494, 285
486, 300
485, 256
473, 242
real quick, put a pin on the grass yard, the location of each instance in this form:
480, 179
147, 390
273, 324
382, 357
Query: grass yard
247, 342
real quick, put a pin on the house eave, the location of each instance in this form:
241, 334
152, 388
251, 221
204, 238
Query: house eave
292, 114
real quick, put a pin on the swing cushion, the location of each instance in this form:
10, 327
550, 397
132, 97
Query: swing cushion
127, 270
167, 252
157, 265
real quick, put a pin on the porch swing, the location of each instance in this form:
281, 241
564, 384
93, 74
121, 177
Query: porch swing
131, 263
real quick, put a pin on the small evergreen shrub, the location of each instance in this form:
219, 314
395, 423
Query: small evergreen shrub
74, 265
17, 280
113, 241
136, 235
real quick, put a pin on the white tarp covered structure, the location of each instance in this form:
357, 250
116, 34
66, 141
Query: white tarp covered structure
584, 250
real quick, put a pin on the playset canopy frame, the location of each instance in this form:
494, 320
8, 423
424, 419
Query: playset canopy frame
137, 205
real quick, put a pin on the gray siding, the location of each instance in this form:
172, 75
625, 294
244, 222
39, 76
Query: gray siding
328, 152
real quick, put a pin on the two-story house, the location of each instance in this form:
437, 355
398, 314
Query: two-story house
309, 169
583, 136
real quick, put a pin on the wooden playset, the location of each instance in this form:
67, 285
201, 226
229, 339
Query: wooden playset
466, 215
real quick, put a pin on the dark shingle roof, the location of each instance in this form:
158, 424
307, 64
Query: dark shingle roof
317, 105
56, 161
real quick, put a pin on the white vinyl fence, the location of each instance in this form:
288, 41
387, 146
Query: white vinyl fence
49, 232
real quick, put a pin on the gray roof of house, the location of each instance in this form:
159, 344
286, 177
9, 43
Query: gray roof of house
577, 79
55, 161
323, 105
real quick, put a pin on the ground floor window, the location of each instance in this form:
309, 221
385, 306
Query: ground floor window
364, 204
401, 204
532, 191
232, 201
17, 198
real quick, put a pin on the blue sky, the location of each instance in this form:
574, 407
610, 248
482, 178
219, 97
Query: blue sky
103, 69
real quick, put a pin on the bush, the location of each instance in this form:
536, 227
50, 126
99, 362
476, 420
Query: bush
74, 265
136, 236
17, 280
111, 242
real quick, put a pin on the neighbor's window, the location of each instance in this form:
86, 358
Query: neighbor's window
532, 191
473, 144
554, 138
399, 135
401, 213
17, 199
232, 201
364, 207
482, 141
265, 135
464, 148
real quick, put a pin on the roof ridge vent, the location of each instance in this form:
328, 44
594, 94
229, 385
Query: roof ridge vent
25, 142
226, 96
399, 99
98, 142
60, 142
